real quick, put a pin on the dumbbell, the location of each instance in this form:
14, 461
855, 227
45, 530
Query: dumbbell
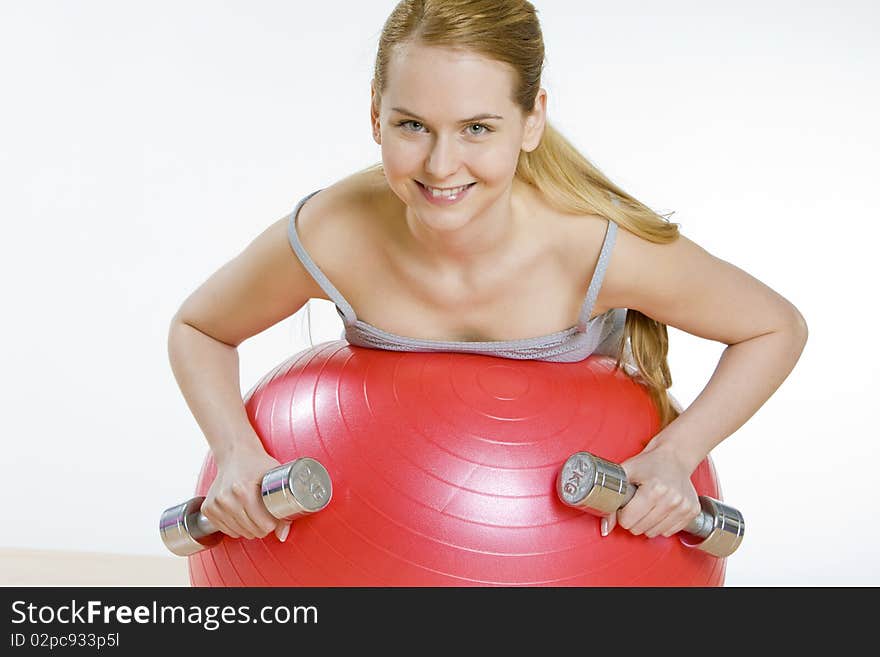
600, 487
298, 488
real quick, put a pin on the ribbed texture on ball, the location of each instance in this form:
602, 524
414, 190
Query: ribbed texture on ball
444, 470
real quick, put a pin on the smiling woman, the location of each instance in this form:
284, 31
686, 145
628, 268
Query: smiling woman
483, 230
431, 71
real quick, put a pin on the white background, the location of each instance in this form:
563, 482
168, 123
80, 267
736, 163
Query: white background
145, 144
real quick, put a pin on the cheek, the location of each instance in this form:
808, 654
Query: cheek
493, 165
400, 157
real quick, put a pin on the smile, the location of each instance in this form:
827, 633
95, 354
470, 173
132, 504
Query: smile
444, 196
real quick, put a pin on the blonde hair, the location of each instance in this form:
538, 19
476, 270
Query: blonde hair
508, 31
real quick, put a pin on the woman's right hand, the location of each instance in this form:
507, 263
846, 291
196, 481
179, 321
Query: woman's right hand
234, 502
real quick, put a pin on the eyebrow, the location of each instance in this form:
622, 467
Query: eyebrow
478, 117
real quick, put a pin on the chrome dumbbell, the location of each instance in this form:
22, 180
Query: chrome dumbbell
298, 488
600, 487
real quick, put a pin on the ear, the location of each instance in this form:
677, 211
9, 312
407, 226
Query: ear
534, 123
374, 114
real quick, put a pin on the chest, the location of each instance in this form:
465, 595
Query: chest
538, 292
539, 302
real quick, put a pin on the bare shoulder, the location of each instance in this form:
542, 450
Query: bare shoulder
337, 226
579, 239
335, 207
681, 284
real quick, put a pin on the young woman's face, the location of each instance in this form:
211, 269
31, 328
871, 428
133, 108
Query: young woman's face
447, 120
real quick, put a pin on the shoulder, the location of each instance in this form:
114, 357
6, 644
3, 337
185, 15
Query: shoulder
643, 274
579, 240
337, 226
333, 208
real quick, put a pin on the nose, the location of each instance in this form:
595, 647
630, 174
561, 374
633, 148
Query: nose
444, 158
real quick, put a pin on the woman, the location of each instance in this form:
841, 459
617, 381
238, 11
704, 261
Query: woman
484, 230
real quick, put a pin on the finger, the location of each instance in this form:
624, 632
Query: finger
214, 513
664, 514
632, 516
680, 518
257, 521
253, 517
607, 524
282, 531
648, 522
663, 525
223, 527
668, 517
250, 529
236, 519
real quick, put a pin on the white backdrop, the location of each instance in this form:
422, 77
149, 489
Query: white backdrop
145, 144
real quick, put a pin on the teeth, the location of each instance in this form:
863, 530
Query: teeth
451, 193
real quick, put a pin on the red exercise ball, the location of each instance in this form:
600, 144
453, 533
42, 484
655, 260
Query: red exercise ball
444, 469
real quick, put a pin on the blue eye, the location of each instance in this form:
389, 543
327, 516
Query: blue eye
484, 128
402, 123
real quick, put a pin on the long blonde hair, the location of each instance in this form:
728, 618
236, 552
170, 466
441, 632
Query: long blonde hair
508, 31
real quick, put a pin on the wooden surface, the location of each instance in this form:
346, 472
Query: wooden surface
23, 567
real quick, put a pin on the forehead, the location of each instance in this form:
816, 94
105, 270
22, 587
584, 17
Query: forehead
436, 80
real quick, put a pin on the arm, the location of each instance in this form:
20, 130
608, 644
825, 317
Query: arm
260, 287
748, 373
207, 373
682, 285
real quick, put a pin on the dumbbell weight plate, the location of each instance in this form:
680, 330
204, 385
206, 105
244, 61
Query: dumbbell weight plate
297, 488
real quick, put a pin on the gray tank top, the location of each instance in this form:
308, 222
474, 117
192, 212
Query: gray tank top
600, 335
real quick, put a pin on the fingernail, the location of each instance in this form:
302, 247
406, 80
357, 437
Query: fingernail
603, 527
285, 532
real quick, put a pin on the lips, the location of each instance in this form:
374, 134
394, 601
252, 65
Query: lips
469, 185
444, 201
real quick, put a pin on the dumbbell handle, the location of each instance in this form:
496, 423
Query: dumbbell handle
600, 487
200, 526
297, 488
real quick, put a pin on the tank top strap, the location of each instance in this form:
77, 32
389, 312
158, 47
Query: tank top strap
342, 306
598, 276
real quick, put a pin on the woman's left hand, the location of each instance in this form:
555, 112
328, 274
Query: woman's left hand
666, 500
